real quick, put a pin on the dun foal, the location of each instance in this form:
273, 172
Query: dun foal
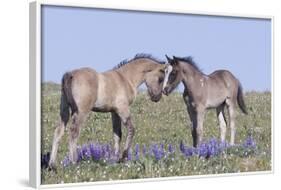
217, 90
84, 90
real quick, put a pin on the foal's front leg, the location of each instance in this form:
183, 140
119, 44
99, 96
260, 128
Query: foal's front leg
197, 117
200, 113
117, 133
127, 122
192, 116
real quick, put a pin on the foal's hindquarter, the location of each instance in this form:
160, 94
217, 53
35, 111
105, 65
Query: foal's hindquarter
217, 90
84, 90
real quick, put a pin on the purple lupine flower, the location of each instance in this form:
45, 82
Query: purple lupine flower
92, 149
129, 155
213, 147
66, 161
144, 151
170, 148
182, 148
151, 150
249, 143
80, 154
162, 146
106, 151
96, 151
103, 150
189, 151
45, 160
212, 151
137, 152
86, 152
203, 150
223, 145
213, 142
162, 150
84, 149
156, 152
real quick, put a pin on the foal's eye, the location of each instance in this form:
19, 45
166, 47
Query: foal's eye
172, 76
160, 80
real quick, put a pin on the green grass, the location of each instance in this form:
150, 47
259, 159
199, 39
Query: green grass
163, 122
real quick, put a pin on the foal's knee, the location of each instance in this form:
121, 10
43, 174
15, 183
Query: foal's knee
129, 125
131, 130
74, 132
59, 130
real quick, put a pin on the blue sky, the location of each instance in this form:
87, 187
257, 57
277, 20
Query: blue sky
98, 38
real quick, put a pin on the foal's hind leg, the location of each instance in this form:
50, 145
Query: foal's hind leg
77, 120
193, 117
222, 122
59, 131
117, 133
231, 111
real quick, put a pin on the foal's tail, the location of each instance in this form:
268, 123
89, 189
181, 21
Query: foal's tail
240, 100
67, 100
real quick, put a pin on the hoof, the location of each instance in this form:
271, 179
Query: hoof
52, 167
124, 157
45, 159
121, 160
116, 158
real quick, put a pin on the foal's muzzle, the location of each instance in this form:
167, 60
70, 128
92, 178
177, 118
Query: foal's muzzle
156, 98
165, 91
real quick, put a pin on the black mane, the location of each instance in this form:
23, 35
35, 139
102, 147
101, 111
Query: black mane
189, 60
138, 56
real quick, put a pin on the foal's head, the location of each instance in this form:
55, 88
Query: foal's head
173, 75
154, 81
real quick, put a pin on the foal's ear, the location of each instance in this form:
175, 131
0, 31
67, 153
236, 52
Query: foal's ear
169, 59
175, 60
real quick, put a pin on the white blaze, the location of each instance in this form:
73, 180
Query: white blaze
168, 71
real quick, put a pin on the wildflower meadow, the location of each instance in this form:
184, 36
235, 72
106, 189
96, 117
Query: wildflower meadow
162, 142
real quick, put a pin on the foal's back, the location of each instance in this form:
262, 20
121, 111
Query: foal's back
221, 84
224, 78
99, 91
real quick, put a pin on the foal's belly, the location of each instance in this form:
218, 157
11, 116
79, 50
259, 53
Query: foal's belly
214, 103
102, 100
103, 110
103, 104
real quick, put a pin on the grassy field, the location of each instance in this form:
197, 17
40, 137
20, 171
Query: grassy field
164, 122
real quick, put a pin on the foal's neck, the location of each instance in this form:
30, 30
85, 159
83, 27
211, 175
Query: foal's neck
135, 71
192, 77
